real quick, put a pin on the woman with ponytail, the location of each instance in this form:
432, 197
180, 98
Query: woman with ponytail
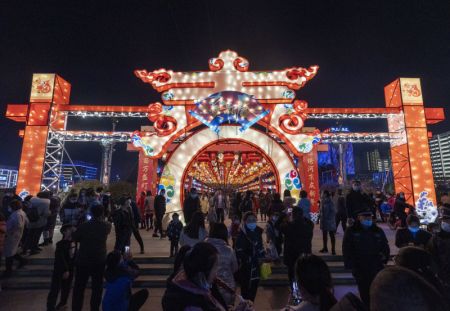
314, 283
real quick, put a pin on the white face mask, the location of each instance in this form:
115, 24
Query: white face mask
445, 226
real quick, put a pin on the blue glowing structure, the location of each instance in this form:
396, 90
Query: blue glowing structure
231, 107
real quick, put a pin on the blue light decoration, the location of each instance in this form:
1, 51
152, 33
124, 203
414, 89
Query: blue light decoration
308, 143
138, 142
425, 209
231, 107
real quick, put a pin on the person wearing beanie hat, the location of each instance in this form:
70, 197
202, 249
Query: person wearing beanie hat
439, 247
366, 251
412, 235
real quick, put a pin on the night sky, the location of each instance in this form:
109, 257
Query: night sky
360, 47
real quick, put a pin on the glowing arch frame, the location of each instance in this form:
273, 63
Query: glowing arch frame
183, 155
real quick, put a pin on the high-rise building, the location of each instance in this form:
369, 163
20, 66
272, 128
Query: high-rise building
373, 158
78, 171
384, 165
8, 177
377, 164
440, 157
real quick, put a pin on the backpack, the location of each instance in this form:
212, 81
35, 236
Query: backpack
32, 213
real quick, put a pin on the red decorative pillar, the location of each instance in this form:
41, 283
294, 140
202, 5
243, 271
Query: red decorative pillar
309, 174
147, 174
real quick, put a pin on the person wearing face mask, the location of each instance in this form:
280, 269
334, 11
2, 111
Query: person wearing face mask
412, 235
356, 200
366, 251
250, 253
192, 288
191, 205
274, 238
439, 247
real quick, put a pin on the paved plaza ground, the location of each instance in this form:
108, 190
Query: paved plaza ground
268, 298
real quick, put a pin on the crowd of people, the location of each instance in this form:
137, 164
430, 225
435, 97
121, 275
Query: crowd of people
213, 260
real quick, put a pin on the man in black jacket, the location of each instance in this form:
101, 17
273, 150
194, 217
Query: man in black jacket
297, 240
356, 200
160, 210
123, 224
191, 205
366, 251
91, 258
412, 235
63, 269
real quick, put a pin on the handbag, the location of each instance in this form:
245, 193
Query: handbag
266, 270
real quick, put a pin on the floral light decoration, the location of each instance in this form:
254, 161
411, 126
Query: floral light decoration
292, 183
293, 120
163, 122
231, 107
167, 182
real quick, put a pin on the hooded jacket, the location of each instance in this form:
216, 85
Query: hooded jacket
183, 295
227, 266
118, 287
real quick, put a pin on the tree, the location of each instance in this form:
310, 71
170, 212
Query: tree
120, 188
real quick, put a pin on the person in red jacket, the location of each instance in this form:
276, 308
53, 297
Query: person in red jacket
141, 206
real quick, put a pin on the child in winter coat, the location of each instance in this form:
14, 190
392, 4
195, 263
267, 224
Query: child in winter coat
173, 233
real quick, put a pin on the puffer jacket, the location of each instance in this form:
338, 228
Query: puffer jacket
70, 213
14, 230
327, 215
227, 266
43, 207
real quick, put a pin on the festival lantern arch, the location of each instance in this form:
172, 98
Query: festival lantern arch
228, 98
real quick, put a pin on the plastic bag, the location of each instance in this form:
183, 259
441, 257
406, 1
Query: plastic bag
272, 252
266, 270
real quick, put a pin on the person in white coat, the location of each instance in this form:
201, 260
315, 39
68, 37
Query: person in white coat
14, 230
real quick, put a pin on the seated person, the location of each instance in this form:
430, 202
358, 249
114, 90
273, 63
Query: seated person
119, 275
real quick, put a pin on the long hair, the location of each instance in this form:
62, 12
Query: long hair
315, 277
200, 259
113, 260
219, 231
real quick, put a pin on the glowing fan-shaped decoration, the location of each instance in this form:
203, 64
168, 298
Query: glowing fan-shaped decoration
231, 107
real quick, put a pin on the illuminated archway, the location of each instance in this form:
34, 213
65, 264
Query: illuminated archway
227, 181
172, 176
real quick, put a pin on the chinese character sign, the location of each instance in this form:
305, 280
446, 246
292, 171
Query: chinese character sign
145, 171
310, 178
